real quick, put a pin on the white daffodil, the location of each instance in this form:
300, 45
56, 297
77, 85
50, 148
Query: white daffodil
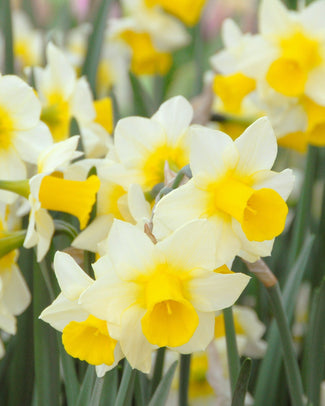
83, 335
234, 188
160, 295
50, 191
144, 145
63, 97
117, 198
14, 293
28, 42
22, 135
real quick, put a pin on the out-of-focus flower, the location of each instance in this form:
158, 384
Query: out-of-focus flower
234, 189
144, 145
83, 335
14, 293
301, 313
28, 42
160, 295
151, 35
63, 97
22, 135
186, 10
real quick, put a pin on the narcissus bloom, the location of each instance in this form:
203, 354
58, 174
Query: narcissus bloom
234, 188
160, 295
144, 145
83, 335
22, 135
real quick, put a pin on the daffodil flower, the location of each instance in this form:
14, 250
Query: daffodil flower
234, 188
160, 295
83, 335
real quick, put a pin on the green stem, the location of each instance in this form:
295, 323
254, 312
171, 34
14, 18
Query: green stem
232, 350
233, 119
303, 210
126, 385
158, 370
20, 187
184, 377
62, 226
290, 361
11, 241
8, 37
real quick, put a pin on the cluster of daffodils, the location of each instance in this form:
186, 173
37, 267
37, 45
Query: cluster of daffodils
163, 268
279, 72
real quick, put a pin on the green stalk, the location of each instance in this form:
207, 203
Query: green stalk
184, 376
126, 385
232, 350
158, 370
302, 218
20, 187
11, 241
290, 361
8, 37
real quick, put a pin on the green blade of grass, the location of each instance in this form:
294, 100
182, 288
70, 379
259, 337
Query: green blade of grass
242, 383
160, 396
9, 66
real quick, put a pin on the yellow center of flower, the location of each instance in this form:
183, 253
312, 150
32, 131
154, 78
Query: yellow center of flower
109, 200
261, 213
299, 55
187, 11
6, 129
219, 326
7, 261
56, 115
153, 166
105, 77
24, 54
170, 320
232, 89
104, 113
69, 196
146, 59
89, 341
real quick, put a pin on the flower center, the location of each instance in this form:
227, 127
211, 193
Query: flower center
170, 320
89, 341
6, 129
56, 115
153, 166
299, 55
261, 213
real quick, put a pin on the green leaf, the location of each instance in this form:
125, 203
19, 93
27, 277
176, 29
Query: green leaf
70, 379
314, 356
125, 392
109, 391
267, 381
141, 100
95, 44
158, 369
87, 387
242, 383
8, 37
160, 396
46, 354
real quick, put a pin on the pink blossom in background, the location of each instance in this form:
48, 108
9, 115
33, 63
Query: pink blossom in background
216, 11
80, 8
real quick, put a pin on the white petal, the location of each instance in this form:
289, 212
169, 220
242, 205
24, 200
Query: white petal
139, 207
257, 147
212, 291
280, 182
191, 246
273, 17
175, 115
231, 33
71, 278
134, 344
312, 17
109, 297
82, 107
62, 311
31, 143
180, 206
11, 168
45, 232
102, 369
136, 137
315, 86
16, 295
202, 337
96, 232
131, 250
20, 101
207, 149
7, 320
